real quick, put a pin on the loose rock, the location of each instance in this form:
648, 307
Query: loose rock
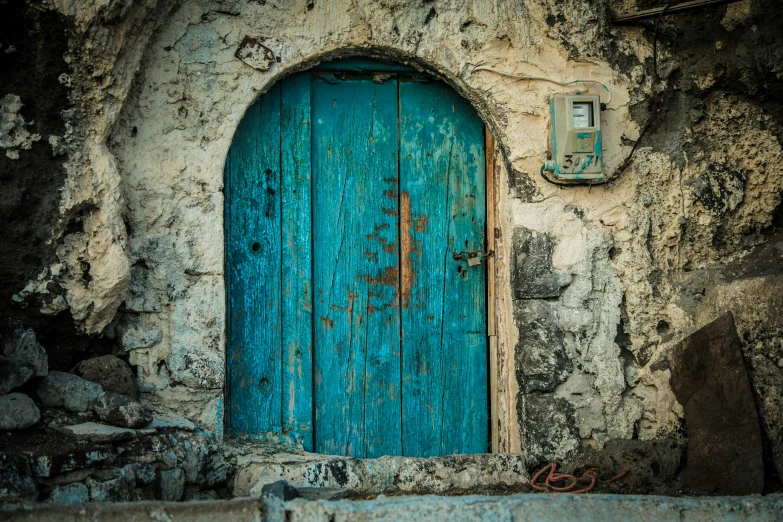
171, 484
112, 490
17, 412
121, 410
94, 432
167, 421
111, 372
16, 480
12, 375
23, 348
279, 489
69, 494
64, 467
69, 391
192, 492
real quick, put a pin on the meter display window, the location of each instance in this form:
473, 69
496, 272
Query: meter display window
583, 114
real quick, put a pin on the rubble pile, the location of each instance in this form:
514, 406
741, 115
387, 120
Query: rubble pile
80, 436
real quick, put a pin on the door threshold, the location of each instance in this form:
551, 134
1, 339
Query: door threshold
447, 475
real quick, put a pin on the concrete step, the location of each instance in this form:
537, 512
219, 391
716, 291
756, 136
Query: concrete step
516, 508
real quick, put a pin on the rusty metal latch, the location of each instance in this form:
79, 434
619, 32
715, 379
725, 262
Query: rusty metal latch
474, 258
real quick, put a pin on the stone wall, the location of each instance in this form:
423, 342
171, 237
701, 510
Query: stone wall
595, 284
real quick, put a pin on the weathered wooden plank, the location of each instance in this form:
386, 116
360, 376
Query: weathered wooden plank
296, 261
443, 301
655, 12
359, 64
253, 271
355, 267
709, 379
425, 145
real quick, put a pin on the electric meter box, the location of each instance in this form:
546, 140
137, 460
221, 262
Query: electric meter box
575, 136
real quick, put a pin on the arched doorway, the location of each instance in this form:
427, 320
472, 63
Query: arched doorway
356, 293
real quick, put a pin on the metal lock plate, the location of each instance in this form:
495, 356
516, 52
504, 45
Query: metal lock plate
475, 258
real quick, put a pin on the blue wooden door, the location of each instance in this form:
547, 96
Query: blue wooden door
352, 329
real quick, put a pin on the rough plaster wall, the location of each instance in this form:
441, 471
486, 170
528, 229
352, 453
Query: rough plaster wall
175, 130
705, 193
616, 259
90, 274
616, 251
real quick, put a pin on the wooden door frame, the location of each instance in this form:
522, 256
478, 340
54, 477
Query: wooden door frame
492, 369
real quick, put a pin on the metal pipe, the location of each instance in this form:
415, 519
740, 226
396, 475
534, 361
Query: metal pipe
676, 8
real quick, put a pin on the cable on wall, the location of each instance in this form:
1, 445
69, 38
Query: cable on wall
545, 79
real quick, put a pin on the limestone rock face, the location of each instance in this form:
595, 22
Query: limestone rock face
111, 372
17, 412
541, 360
121, 410
549, 428
609, 277
69, 391
532, 274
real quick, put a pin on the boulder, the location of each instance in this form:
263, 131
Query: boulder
69, 391
17, 412
12, 375
22, 347
121, 410
111, 372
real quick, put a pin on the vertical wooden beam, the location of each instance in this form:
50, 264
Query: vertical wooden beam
297, 365
489, 154
253, 274
356, 305
442, 198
